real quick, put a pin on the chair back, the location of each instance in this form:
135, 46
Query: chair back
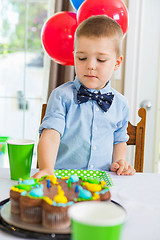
44, 106
137, 138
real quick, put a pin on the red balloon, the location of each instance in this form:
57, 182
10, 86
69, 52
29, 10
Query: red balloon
114, 9
58, 37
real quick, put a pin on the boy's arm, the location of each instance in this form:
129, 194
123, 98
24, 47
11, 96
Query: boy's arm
47, 152
120, 165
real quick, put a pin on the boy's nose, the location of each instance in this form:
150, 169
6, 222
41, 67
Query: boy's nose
91, 65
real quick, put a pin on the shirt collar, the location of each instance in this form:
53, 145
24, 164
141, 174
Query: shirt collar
106, 89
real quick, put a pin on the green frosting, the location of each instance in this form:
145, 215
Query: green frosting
83, 199
24, 187
105, 187
94, 181
90, 180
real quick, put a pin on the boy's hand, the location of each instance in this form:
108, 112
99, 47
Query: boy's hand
42, 173
122, 168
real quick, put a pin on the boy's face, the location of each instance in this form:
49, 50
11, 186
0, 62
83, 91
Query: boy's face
95, 60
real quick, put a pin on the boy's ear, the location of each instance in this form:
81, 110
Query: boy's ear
118, 62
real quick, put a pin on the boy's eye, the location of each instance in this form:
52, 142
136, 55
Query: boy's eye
82, 59
101, 60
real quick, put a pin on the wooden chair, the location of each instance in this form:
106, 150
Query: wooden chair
44, 106
136, 137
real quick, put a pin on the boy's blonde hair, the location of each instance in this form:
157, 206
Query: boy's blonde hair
101, 26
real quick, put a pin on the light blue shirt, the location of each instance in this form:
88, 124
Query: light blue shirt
87, 132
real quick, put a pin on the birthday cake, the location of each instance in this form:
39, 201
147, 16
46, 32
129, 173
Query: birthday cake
46, 200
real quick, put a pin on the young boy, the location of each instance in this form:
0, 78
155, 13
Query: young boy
85, 125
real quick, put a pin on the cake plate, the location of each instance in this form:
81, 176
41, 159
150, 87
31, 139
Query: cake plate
12, 225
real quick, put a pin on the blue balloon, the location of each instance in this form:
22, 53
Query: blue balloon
76, 3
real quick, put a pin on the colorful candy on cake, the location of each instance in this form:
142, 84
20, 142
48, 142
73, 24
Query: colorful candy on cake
46, 200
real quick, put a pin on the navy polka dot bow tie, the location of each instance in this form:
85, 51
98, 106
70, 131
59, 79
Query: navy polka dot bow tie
103, 100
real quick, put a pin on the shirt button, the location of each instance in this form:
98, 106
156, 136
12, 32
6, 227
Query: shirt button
95, 128
97, 109
91, 166
94, 147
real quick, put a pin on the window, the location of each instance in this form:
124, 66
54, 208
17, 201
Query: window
21, 68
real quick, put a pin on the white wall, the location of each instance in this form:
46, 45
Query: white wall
141, 78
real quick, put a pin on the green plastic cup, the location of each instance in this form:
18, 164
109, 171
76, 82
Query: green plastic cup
96, 220
20, 154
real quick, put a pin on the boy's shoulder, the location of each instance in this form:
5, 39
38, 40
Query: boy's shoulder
65, 86
119, 97
64, 90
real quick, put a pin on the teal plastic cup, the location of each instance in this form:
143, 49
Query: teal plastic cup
96, 220
20, 154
